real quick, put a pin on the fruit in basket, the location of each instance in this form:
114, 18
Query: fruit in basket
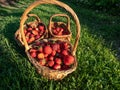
50, 63
60, 29
68, 60
55, 55
34, 33
40, 56
47, 50
58, 60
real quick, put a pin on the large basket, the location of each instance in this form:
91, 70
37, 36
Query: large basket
65, 26
34, 23
45, 71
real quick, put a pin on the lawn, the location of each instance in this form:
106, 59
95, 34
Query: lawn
97, 52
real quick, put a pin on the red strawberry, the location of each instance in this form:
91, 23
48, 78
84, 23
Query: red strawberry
35, 32
47, 50
57, 66
55, 47
27, 38
68, 60
25, 31
31, 40
33, 54
28, 34
37, 37
51, 58
29, 29
42, 62
46, 55
32, 50
40, 49
50, 63
65, 52
53, 53
58, 61
41, 27
40, 56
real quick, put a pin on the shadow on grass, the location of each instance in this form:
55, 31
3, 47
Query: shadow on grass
100, 24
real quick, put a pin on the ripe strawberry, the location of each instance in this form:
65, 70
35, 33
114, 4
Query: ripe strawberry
53, 53
31, 40
32, 50
28, 34
58, 29
40, 56
64, 52
50, 63
35, 32
33, 54
42, 62
47, 50
68, 60
40, 49
25, 31
57, 66
41, 27
37, 37
27, 38
29, 29
51, 58
55, 47
46, 55
58, 60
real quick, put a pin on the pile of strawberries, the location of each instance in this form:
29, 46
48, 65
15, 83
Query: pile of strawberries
60, 29
34, 33
53, 54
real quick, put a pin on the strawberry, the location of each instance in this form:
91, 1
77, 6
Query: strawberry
64, 52
35, 32
53, 53
55, 47
32, 50
47, 50
42, 62
46, 55
37, 37
41, 27
50, 63
33, 54
27, 38
25, 31
58, 60
68, 60
57, 66
31, 40
28, 34
51, 58
40, 56
29, 29
40, 49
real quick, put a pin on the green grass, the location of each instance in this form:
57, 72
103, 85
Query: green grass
98, 66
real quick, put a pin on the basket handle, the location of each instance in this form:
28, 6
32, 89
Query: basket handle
34, 15
56, 2
61, 15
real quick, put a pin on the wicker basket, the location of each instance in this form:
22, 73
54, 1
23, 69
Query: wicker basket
66, 27
18, 37
45, 71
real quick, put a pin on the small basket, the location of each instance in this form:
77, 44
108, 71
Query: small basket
43, 70
33, 24
65, 27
